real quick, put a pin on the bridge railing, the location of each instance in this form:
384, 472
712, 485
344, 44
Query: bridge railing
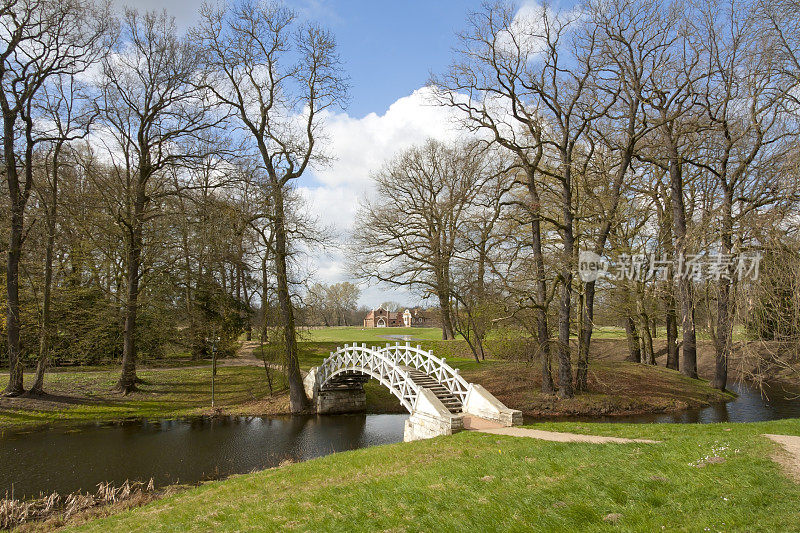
375, 363
435, 367
351, 356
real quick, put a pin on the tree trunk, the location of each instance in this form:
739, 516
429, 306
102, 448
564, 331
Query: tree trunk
686, 291
724, 322
585, 337
264, 296
17, 199
44, 335
587, 318
128, 379
634, 352
648, 356
540, 313
15, 386
565, 307
671, 320
298, 401
447, 323
671, 315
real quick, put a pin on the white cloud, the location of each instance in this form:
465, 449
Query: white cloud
360, 147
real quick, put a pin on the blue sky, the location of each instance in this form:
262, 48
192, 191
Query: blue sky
389, 49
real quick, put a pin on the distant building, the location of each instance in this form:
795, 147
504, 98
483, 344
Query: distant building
381, 318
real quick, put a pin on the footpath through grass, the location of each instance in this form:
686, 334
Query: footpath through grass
483, 482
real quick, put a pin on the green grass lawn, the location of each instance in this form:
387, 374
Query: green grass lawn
83, 397
350, 334
482, 482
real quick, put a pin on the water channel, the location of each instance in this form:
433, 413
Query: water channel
194, 449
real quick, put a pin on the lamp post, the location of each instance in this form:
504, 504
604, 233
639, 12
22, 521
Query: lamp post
214, 341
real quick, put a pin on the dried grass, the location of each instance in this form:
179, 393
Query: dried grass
14, 512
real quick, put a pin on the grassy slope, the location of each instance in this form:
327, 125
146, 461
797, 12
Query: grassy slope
614, 388
164, 393
485, 482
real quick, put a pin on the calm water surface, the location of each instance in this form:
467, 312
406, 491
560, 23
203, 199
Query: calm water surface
750, 406
190, 450
172, 451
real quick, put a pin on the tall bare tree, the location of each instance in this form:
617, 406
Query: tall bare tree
40, 39
64, 103
742, 98
153, 114
409, 234
671, 107
528, 80
276, 76
487, 85
635, 38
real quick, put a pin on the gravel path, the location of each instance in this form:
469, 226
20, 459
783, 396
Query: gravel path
474, 423
790, 460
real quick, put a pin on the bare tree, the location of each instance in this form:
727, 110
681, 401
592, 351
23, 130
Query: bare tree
153, 114
743, 88
342, 298
65, 105
276, 76
410, 233
635, 38
488, 78
40, 39
529, 82
671, 107
476, 285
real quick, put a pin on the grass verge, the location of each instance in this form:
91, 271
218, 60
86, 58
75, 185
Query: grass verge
485, 482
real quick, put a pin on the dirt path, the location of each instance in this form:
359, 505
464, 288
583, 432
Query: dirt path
789, 458
473, 423
245, 356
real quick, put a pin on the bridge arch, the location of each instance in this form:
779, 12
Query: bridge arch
349, 360
431, 390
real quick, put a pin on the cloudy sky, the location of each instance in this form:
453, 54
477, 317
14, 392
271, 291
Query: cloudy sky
389, 49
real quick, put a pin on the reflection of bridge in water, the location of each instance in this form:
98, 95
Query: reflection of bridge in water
433, 392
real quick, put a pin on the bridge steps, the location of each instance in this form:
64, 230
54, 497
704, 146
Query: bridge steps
450, 400
436, 396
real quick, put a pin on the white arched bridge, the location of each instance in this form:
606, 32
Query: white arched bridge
433, 392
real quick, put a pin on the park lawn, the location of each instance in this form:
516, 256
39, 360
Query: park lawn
358, 334
482, 482
85, 397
